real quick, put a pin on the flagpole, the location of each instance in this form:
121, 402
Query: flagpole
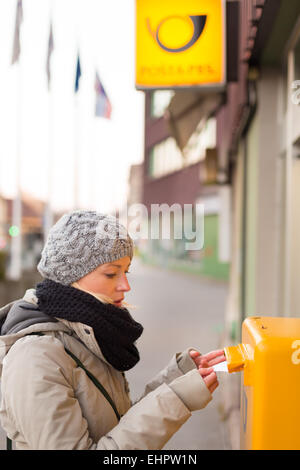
76, 155
76, 136
48, 221
16, 238
15, 267
48, 213
103, 106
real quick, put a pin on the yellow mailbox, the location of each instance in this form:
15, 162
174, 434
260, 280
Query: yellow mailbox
269, 357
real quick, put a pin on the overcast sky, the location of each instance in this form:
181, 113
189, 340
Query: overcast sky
104, 34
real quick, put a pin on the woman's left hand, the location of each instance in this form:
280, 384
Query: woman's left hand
208, 360
204, 365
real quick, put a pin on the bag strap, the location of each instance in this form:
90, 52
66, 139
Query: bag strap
95, 382
93, 379
8, 443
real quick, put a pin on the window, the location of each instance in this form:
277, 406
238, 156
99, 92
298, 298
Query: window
164, 158
160, 100
203, 138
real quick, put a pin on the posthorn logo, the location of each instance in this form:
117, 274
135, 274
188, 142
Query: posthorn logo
163, 36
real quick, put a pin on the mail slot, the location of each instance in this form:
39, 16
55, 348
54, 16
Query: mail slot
269, 359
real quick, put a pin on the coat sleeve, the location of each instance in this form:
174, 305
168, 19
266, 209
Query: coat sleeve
165, 406
180, 364
151, 422
40, 399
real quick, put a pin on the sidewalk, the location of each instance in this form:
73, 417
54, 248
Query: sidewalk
179, 310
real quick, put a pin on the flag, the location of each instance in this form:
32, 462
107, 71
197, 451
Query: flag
16, 45
50, 50
103, 105
78, 74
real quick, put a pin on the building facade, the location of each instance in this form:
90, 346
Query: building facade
259, 132
184, 176
247, 174
262, 157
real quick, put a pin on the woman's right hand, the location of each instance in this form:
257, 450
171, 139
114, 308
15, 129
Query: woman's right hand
204, 363
210, 378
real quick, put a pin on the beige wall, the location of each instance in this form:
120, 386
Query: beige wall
292, 193
252, 200
233, 306
295, 242
270, 196
272, 218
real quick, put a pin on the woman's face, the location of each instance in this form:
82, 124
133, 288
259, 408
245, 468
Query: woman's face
109, 279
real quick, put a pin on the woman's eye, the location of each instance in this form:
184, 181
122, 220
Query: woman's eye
113, 275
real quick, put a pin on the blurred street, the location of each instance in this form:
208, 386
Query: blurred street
177, 311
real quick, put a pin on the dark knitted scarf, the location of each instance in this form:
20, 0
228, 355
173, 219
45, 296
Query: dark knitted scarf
114, 328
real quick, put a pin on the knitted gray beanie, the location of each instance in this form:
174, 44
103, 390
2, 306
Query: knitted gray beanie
79, 242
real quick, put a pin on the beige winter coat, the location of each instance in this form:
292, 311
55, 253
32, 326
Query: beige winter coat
47, 402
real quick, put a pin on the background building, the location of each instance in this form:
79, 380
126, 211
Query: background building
259, 130
237, 151
184, 176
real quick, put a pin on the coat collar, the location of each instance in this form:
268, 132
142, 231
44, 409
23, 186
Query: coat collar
84, 332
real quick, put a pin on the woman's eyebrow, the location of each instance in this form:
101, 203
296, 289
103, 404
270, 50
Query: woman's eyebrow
118, 265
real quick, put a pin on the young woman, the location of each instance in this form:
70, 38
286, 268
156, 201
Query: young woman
65, 346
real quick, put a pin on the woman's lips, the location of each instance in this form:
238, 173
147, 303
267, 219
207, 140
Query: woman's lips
118, 302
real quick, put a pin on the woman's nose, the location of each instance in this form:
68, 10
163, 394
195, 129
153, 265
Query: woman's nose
124, 284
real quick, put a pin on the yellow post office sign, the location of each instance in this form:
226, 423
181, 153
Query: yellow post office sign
180, 44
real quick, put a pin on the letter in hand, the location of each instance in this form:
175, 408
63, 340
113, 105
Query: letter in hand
205, 365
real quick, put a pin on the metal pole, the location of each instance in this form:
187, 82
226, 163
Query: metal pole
15, 268
48, 221
76, 154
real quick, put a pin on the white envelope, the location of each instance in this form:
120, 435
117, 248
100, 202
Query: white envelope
221, 367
